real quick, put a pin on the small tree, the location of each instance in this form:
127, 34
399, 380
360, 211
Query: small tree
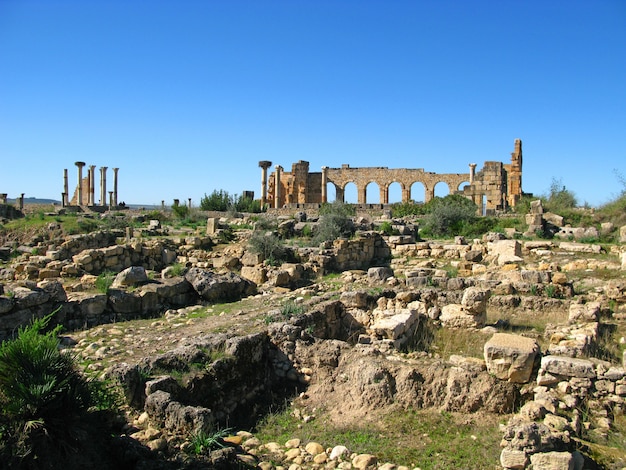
560, 197
216, 201
42, 396
335, 222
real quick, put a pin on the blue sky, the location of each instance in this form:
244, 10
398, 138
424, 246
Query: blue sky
186, 97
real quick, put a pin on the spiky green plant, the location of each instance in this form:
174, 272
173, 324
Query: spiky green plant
42, 395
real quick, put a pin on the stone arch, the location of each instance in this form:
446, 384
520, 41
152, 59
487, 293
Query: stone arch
418, 192
331, 192
395, 192
462, 185
350, 193
442, 189
373, 193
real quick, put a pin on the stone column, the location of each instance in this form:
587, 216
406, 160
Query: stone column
341, 195
324, 184
189, 200
21, 202
103, 185
264, 164
110, 200
362, 195
80, 165
66, 190
92, 185
277, 194
429, 193
406, 193
115, 186
384, 194
472, 172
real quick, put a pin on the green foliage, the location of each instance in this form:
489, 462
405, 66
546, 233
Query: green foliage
268, 245
222, 201
216, 201
559, 197
180, 211
178, 269
247, 204
203, 442
387, 228
291, 309
406, 209
104, 281
335, 222
449, 216
42, 396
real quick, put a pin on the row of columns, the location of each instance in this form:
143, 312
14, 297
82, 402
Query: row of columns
91, 186
429, 193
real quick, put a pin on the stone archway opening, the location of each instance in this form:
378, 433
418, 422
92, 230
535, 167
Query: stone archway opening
395, 193
418, 192
442, 189
462, 185
350, 193
331, 192
372, 193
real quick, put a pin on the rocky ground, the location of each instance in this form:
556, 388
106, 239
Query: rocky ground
355, 347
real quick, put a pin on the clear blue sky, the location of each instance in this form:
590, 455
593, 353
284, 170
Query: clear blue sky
186, 97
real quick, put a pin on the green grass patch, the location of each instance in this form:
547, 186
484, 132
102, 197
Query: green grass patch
416, 438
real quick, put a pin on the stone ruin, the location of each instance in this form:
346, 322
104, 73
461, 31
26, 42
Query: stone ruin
497, 187
84, 194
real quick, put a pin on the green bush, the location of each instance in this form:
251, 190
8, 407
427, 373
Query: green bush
216, 201
405, 209
43, 397
268, 245
180, 211
449, 216
335, 222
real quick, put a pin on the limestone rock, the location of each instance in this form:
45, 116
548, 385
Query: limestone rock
511, 357
133, 276
555, 461
457, 316
513, 459
589, 312
567, 367
379, 274
212, 286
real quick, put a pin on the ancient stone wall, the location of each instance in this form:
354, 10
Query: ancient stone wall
495, 187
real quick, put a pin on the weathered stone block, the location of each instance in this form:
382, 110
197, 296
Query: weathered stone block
511, 357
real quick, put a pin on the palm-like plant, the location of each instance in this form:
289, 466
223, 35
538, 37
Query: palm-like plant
42, 394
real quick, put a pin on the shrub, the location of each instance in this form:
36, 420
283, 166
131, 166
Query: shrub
42, 396
405, 209
216, 201
335, 222
180, 211
449, 215
104, 281
268, 245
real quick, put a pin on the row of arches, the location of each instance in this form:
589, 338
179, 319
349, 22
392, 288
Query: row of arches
373, 194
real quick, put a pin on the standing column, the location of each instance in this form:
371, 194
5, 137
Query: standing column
115, 186
92, 185
21, 202
277, 194
472, 172
66, 190
264, 164
80, 166
384, 194
110, 200
103, 185
324, 184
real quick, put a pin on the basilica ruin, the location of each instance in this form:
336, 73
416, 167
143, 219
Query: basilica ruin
494, 188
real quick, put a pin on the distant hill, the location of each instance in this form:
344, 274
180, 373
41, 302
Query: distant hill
34, 200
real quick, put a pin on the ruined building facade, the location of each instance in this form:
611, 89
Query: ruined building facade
496, 187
